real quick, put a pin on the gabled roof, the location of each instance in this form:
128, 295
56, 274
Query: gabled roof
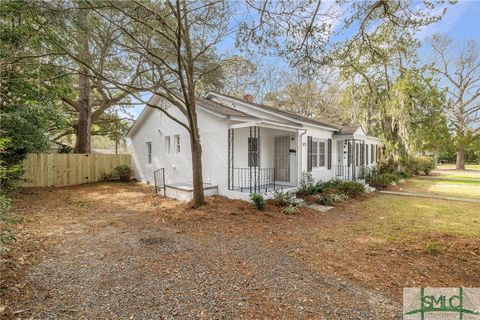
350, 129
220, 108
289, 114
212, 106
355, 131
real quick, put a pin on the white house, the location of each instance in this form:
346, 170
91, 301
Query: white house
247, 147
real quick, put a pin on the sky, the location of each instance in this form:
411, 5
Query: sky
460, 22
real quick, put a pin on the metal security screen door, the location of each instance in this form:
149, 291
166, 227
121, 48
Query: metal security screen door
281, 158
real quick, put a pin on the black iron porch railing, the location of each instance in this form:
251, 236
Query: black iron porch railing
159, 178
253, 179
350, 172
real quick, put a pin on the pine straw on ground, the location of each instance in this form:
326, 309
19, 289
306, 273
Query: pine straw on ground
119, 251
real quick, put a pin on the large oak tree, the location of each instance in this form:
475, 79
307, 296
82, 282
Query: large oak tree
459, 69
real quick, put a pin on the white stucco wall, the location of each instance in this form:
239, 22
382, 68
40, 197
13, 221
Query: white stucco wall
154, 126
178, 167
322, 173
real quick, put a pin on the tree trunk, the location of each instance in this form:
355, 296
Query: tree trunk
460, 164
196, 149
84, 124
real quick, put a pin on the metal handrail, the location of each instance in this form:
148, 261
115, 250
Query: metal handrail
351, 172
160, 174
253, 179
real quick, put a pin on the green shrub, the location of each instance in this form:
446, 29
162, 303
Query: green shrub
308, 185
402, 175
351, 188
330, 184
291, 209
411, 166
427, 164
330, 196
287, 199
5, 205
378, 181
123, 172
65, 149
258, 201
6, 236
324, 200
382, 181
388, 166
283, 199
368, 172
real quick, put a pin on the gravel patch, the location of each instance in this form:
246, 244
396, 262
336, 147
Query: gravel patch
141, 265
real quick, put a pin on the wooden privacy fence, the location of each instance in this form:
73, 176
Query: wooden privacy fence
56, 169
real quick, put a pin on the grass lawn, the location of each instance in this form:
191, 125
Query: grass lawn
444, 182
452, 166
394, 242
475, 182
402, 218
442, 188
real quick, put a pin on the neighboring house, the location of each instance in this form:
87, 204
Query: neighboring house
247, 147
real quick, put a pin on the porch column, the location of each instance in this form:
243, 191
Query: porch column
354, 155
254, 159
230, 158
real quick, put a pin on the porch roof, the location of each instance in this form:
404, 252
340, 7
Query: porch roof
267, 124
355, 136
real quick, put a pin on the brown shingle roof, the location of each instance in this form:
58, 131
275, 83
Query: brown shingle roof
286, 113
220, 108
350, 129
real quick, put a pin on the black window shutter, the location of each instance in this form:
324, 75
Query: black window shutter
309, 153
357, 152
329, 159
366, 154
349, 153
362, 153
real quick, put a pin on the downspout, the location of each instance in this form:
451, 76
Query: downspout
300, 154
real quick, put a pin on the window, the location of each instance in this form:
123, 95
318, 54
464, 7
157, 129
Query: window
318, 153
149, 152
176, 141
314, 154
321, 154
372, 151
253, 152
168, 145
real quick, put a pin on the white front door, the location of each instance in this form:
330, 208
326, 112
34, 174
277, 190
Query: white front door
281, 158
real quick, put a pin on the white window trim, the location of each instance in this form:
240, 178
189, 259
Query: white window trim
318, 141
149, 152
177, 144
168, 144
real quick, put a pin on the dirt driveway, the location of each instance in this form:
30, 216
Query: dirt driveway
117, 251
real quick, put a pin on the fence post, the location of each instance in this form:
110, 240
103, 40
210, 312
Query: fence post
164, 184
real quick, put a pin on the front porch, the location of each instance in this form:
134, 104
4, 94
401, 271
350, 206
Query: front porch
355, 157
262, 157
